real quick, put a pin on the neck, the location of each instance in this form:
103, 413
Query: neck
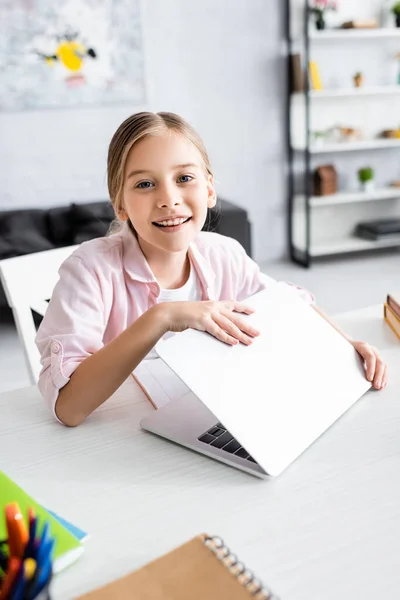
171, 269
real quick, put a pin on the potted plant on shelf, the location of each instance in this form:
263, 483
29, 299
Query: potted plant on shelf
319, 8
396, 12
358, 79
319, 138
366, 178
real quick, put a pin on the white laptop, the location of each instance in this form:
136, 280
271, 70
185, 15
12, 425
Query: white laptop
258, 407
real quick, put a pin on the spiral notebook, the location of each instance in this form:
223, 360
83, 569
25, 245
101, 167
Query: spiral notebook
203, 568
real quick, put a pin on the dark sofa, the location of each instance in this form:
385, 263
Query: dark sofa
35, 230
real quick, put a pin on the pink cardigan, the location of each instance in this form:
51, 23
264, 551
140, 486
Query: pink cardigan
106, 284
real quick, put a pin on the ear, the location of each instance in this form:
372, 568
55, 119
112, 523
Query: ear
212, 195
122, 215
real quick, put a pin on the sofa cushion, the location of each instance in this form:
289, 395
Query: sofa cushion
60, 225
23, 232
89, 221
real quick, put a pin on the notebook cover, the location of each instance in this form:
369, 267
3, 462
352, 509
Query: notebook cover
393, 300
392, 320
80, 535
67, 547
190, 571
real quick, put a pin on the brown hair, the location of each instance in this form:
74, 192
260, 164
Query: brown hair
136, 128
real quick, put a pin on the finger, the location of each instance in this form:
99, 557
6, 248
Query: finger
241, 308
370, 362
379, 372
384, 377
243, 325
212, 328
232, 329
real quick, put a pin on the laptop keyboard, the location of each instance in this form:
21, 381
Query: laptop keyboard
219, 437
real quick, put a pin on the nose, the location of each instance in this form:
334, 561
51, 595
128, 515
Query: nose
169, 196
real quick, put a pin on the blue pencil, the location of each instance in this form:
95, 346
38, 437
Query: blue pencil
40, 581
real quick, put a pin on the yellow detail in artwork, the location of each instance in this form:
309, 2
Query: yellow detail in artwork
71, 55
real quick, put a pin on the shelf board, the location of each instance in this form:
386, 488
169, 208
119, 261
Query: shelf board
350, 244
355, 34
378, 90
373, 144
351, 197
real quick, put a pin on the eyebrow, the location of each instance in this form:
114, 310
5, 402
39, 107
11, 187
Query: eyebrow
142, 171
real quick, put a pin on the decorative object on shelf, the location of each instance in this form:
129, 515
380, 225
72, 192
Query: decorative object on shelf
350, 134
361, 24
338, 133
395, 184
386, 16
325, 180
319, 8
358, 79
297, 75
380, 229
397, 57
396, 12
391, 133
366, 177
315, 78
318, 138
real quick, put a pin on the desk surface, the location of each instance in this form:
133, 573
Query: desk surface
328, 528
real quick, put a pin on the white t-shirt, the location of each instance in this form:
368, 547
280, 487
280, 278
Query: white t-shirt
189, 292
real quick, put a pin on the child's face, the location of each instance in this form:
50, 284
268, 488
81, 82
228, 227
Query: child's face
166, 191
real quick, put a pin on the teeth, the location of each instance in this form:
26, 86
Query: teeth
171, 222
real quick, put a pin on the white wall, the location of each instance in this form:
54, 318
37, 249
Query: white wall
217, 63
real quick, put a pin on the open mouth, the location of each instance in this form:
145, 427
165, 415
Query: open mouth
172, 223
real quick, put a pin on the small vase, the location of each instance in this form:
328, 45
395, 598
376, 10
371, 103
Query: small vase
318, 142
397, 20
368, 186
320, 23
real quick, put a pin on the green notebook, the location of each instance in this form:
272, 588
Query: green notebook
67, 547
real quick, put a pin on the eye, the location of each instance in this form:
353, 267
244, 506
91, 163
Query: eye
144, 185
185, 178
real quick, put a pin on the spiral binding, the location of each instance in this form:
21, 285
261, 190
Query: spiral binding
238, 569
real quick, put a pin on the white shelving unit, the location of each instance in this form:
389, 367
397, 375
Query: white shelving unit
354, 34
383, 90
325, 225
351, 244
351, 197
327, 148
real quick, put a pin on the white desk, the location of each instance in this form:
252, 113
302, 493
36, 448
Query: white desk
327, 529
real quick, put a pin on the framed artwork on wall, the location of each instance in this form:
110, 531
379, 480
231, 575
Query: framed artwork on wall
77, 53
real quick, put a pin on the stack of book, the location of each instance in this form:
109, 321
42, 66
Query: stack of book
381, 229
391, 311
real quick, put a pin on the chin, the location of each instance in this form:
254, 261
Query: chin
175, 245
176, 242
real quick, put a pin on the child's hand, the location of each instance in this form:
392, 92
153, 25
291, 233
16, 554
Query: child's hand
220, 319
375, 368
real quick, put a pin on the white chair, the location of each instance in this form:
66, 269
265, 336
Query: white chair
28, 282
